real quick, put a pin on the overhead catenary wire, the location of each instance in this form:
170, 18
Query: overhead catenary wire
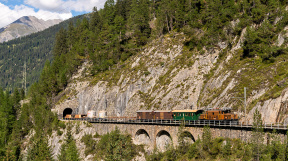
55, 9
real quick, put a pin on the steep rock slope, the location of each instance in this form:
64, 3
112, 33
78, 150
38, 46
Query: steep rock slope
166, 75
25, 26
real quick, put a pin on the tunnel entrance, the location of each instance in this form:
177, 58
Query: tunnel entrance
67, 111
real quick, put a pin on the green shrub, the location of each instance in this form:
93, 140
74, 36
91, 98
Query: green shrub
59, 132
146, 73
62, 124
97, 135
90, 144
117, 147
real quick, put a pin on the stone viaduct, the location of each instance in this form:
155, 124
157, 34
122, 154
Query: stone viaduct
161, 136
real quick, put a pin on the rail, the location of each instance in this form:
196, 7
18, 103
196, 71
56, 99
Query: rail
211, 123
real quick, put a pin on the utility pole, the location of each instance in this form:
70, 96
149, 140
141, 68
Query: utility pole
24, 77
244, 101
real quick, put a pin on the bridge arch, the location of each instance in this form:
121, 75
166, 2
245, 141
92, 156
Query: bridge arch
142, 137
163, 140
187, 137
67, 111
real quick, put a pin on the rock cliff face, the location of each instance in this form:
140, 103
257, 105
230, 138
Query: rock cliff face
78, 131
25, 26
166, 75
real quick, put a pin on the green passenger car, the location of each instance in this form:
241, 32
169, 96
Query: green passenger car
186, 114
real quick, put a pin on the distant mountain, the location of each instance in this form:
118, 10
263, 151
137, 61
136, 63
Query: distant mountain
24, 26
34, 49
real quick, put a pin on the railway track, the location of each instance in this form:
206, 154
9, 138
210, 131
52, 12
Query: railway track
196, 123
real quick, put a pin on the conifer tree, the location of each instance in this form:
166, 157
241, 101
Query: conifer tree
22, 93
95, 21
139, 21
61, 43
71, 36
276, 149
257, 135
40, 150
109, 11
69, 151
206, 138
16, 101
180, 14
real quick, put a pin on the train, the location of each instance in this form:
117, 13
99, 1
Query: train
219, 115
207, 116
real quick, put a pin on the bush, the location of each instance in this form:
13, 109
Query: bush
115, 146
59, 132
90, 144
62, 124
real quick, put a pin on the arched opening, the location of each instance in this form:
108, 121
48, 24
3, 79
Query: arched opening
142, 137
187, 138
163, 140
67, 111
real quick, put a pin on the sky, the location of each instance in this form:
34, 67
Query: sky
11, 10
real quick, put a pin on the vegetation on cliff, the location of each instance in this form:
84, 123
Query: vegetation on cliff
69, 149
219, 148
9, 109
111, 35
113, 146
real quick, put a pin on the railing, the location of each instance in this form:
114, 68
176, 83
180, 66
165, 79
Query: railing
211, 123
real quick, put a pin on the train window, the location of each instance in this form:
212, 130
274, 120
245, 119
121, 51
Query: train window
186, 114
212, 113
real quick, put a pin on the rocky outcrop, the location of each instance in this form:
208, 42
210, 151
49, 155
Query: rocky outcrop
79, 130
274, 110
158, 80
24, 26
166, 75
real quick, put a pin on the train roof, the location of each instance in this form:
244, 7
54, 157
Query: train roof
145, 111
162, 111
214, 111
186, 110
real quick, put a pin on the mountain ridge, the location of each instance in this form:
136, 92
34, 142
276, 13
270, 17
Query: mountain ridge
35, 49
24, 26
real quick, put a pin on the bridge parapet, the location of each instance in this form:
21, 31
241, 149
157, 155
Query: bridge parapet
161, 133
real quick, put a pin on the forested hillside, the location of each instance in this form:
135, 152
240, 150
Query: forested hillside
34, 49
110, 36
